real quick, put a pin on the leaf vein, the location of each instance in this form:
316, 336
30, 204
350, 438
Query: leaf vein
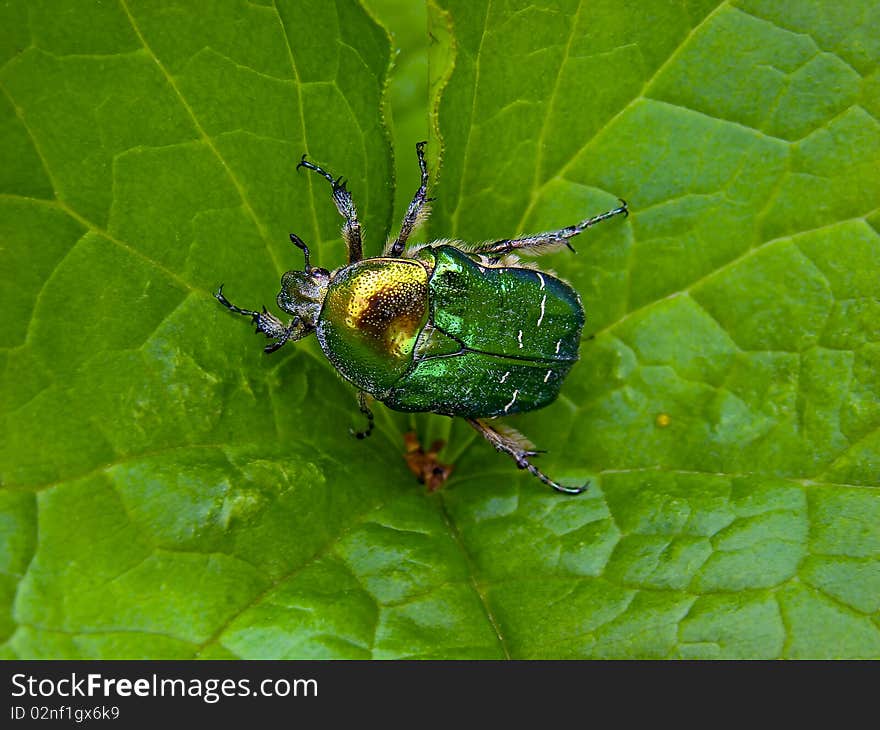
467, 144
484, 601
206, 138
322, 552
536, 194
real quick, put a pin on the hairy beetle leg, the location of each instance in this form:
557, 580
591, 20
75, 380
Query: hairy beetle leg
539, 241
364, 407
417, 211
515, 451
266, 323
424, 464
351, 229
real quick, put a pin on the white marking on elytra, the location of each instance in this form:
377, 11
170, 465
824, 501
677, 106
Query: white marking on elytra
541, 278
512, 401
547, 376
504, 377
519, 339
541, 318
558, 345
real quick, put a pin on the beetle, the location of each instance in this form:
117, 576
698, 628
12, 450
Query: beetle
459, 329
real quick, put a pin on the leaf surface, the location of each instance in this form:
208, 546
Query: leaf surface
169, 491
727, 396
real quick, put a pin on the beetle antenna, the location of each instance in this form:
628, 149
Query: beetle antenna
300, 244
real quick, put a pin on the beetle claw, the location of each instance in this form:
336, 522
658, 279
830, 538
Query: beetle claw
312, 166
570, 490
269, 349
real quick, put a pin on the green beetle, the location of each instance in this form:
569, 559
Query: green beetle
446, 327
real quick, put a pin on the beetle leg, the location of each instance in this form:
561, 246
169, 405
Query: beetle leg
266, 323
364, 407
519, 454
351, 229
539, 241
417, 211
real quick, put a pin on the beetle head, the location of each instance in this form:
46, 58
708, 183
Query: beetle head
302, 294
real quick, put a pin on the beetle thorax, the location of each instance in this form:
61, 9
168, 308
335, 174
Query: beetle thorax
373, 314
387, 307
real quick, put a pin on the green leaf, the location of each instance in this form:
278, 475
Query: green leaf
739, 303
407, 108
169, 491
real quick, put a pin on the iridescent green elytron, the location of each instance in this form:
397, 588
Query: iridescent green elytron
476, 366
449, 328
